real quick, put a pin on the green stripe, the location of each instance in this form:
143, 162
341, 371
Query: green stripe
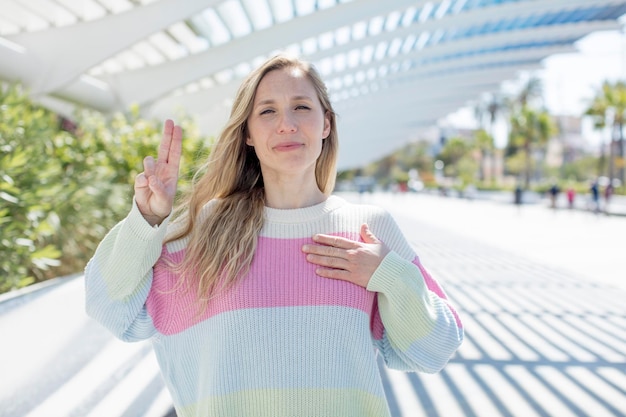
290, 403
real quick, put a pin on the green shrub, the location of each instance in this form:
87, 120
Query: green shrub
63, 185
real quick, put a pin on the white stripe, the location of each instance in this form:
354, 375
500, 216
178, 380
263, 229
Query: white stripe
444, 401
120, 398
492, 348
510, 396
161, 405
598, 386
584, 340
573, 392
600, 330
539, 392
405, 395
85, 382
469, 351
573, 349
504, 334
534, 340
615, 376
472, 391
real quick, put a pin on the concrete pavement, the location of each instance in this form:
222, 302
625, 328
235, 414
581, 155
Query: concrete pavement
542, 300
589, 246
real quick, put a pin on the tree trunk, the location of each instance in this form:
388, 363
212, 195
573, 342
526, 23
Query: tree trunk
495, 159
612, 144
602, 160
620, 149
482, 166
527, 167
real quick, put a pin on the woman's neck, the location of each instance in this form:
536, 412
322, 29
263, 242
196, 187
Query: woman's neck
291, 195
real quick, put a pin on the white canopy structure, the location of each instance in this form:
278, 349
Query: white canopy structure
393, 66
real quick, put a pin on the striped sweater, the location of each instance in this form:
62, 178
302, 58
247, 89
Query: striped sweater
283, 341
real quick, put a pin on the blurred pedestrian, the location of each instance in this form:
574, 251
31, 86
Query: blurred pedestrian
263, 294
595, 196
571, 196
554, 194
608, 193
518, 195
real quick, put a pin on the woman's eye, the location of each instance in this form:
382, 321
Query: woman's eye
266, 111
302, 107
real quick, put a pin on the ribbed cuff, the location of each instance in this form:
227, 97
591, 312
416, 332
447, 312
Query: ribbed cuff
141, 229
392, 268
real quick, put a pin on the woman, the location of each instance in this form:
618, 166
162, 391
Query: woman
263, 294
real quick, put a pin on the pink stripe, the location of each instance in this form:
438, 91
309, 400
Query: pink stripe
433, 286
376, 323
279, 276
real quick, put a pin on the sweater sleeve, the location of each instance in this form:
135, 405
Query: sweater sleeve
119, 275
420, 329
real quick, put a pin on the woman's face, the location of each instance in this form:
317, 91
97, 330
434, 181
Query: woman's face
287, 124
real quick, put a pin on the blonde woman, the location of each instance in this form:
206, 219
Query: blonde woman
263, 294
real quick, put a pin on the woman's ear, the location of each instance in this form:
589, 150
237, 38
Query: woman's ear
249, 141
326, 131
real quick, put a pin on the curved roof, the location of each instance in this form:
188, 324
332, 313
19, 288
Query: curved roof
393, 67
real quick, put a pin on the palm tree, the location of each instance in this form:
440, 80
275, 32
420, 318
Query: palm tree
485, 144
608, 107
493, 105
530, 131
532, 89
452, 153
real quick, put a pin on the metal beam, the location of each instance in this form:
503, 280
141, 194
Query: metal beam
209, 97
52, 62
148, 84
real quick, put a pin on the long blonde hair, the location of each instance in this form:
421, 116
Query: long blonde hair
221, 246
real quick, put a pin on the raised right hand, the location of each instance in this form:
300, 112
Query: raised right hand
155, 188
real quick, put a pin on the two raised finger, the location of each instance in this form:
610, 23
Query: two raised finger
149, 167
171, 144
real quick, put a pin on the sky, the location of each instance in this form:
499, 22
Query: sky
571, 80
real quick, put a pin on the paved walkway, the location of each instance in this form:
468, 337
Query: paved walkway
587, 245
540, 294
542, 338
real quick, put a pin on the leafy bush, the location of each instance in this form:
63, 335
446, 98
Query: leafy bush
64, 184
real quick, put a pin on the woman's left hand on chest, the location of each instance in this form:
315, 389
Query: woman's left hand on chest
349, 260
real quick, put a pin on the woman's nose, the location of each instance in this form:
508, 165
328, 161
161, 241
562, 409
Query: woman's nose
287, 124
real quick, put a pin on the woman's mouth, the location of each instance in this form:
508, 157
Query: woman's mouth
288, 146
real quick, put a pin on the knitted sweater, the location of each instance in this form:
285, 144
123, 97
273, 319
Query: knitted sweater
283, 341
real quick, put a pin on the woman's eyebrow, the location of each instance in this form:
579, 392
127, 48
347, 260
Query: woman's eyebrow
264, 102
302, 97
272, 101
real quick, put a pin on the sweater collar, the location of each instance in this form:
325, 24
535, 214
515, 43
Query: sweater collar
304, 214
